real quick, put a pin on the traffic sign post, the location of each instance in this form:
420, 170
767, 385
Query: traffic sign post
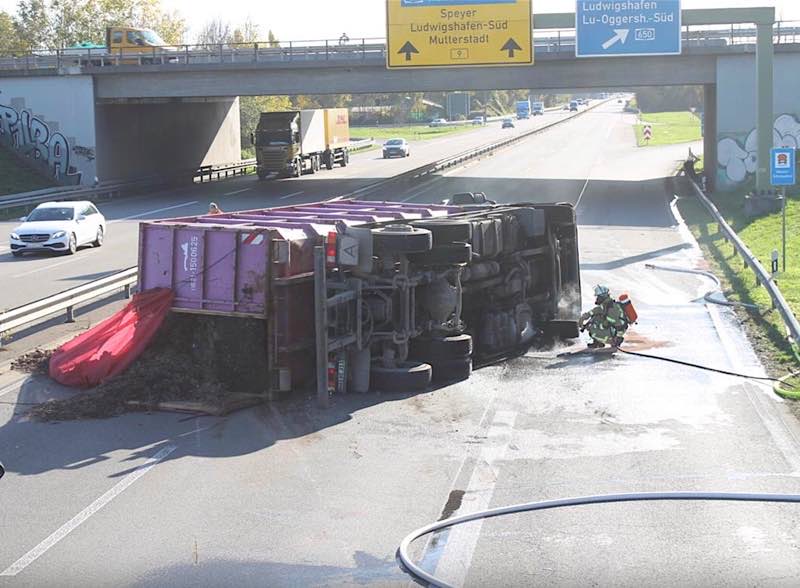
783, 172
632, 27
454, 33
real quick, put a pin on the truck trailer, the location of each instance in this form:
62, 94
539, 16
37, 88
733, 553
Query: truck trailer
295, 142
361, 295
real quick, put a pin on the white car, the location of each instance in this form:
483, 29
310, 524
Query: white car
59, 226
438, 122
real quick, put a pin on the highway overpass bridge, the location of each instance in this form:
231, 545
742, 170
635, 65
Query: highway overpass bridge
179, 108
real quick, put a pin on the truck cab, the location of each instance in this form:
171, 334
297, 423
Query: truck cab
538, 109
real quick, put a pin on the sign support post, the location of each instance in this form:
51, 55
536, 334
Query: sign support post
783, 172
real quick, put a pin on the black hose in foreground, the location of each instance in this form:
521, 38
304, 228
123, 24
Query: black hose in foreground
700, 367
420, 575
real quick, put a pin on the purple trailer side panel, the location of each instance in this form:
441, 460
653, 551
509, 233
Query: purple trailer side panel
213, 269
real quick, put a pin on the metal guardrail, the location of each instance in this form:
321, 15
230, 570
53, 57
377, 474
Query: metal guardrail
114, 189
551, 41
33, 312
763, 278
425, 170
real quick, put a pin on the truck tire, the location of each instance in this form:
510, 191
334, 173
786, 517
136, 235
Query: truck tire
450, 254
447, 231
328, 160
345, 158
393, 239
407, 376
298, 168
262, 176
436, 349
452, 370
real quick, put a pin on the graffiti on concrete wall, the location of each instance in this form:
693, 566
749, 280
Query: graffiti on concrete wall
739, 161
31, 138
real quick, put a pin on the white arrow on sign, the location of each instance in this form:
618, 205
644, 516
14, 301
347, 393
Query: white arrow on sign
620, 36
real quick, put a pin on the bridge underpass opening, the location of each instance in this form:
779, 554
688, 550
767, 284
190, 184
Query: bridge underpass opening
138, 138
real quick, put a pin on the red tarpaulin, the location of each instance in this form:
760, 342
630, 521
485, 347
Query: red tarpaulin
109, 348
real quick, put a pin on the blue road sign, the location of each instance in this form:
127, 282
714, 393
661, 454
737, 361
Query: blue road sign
783, 167
606, 28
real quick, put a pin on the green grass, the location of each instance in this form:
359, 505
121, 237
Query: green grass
411, 133
762, 236
15, 177
669, 128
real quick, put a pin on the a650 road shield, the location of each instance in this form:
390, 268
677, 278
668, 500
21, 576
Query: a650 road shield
453, 33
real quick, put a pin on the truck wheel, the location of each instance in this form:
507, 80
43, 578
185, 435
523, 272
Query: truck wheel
345, 158
317, 164
447, 231
408, 376
436, 349
312, 165
393, 239
450, 254
452, 370
298, 168
262, 176
329, 161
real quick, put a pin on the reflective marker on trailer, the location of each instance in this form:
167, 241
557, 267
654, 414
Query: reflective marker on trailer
330, 249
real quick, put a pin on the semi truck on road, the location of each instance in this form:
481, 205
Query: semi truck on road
295, 142
360, 295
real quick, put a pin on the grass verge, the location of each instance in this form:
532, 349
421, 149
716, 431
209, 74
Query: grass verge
15, 177
669, 128
764, 327
411, 133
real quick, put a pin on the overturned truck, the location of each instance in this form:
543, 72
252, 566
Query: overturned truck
360, 295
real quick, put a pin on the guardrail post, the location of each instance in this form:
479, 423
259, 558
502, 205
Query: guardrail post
327, 54
255, 52
127, 291
70, 315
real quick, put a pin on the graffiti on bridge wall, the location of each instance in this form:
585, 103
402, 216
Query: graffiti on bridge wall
739, 161
30, 137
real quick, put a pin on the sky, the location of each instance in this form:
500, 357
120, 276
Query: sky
326, 19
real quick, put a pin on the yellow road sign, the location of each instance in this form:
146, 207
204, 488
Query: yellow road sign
452, 33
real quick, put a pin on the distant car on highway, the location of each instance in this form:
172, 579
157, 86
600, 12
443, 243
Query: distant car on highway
478, 120
508, 123
396, 148
573, 106
438, 122
60, 227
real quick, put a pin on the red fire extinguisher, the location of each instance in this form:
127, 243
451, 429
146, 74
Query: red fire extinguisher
628, 309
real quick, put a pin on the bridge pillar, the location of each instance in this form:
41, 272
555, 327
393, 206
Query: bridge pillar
765, 119
710, 125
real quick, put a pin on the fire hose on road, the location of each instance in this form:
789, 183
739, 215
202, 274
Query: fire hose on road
420, 575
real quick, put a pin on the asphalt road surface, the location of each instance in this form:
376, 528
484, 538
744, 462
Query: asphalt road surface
38, 275
290, 495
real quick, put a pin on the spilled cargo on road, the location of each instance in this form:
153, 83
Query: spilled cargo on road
360, 295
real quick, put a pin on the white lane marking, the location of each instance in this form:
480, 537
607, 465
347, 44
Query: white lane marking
11, 387
291, 195
47, 267
237, 192
591, 169
157, 210
84, 515
463, 539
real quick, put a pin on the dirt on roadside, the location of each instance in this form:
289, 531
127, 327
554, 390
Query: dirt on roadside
193, 359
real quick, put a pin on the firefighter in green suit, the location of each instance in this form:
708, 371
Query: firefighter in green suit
606, 322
